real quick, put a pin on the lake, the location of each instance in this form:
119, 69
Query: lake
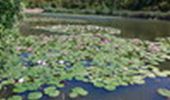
130, 28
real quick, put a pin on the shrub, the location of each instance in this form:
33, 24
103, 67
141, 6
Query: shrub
99, 5
10, 12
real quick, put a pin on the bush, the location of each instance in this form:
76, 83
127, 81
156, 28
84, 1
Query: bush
102, 6
10, 12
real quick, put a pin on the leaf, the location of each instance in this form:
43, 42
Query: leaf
164, 92
73, 95
110, 87
78, 91
19, 89
51, 91
15, 98
35, 95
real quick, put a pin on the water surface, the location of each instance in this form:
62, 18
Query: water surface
131, 28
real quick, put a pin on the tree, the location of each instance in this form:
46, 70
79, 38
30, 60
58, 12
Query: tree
10, 12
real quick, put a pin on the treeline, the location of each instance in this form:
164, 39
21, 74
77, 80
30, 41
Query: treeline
10, 12
102, 5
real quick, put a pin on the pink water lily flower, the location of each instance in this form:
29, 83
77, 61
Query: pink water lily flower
105, 41
136, 41
19, 48
153, 47
29, 49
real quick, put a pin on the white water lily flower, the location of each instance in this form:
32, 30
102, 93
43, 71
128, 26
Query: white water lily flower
21, 80
61, 61
41, 62
44, 63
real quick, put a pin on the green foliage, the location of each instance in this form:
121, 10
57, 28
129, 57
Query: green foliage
102, 6
35, 95
164, 92
102, 59
51, 91
10, 12
15, 98
78, 91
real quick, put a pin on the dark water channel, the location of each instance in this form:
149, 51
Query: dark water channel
131, 28
147, 91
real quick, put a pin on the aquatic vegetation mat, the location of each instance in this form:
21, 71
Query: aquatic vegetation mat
77, 29
104, 60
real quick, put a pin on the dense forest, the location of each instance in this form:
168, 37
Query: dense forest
100, 5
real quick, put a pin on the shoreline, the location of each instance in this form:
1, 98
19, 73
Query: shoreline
126, 14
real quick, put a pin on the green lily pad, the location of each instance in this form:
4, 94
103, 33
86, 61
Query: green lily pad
110, 88
35, 95
19, 89
51, 91
164, 92
78, 91
73, 95
98, 84
15, 98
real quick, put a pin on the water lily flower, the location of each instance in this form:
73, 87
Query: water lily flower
19, 48
41, 62
105, 41
136, 41
154, 47
29, 49
21, 80
44, 63
61, 62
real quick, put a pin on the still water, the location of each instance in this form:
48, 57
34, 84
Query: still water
147, 91
131, 28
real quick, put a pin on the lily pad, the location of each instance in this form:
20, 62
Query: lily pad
73, 95
15, 98
35, 95
51, 91
164, 92
19, 90
78, 91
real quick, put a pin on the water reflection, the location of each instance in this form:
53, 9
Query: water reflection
131, 28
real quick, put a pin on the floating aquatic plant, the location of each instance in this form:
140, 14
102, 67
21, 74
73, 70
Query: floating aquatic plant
77, 91
15, 98
35, 95
104, 60
76, 29
164, 92
51, 91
